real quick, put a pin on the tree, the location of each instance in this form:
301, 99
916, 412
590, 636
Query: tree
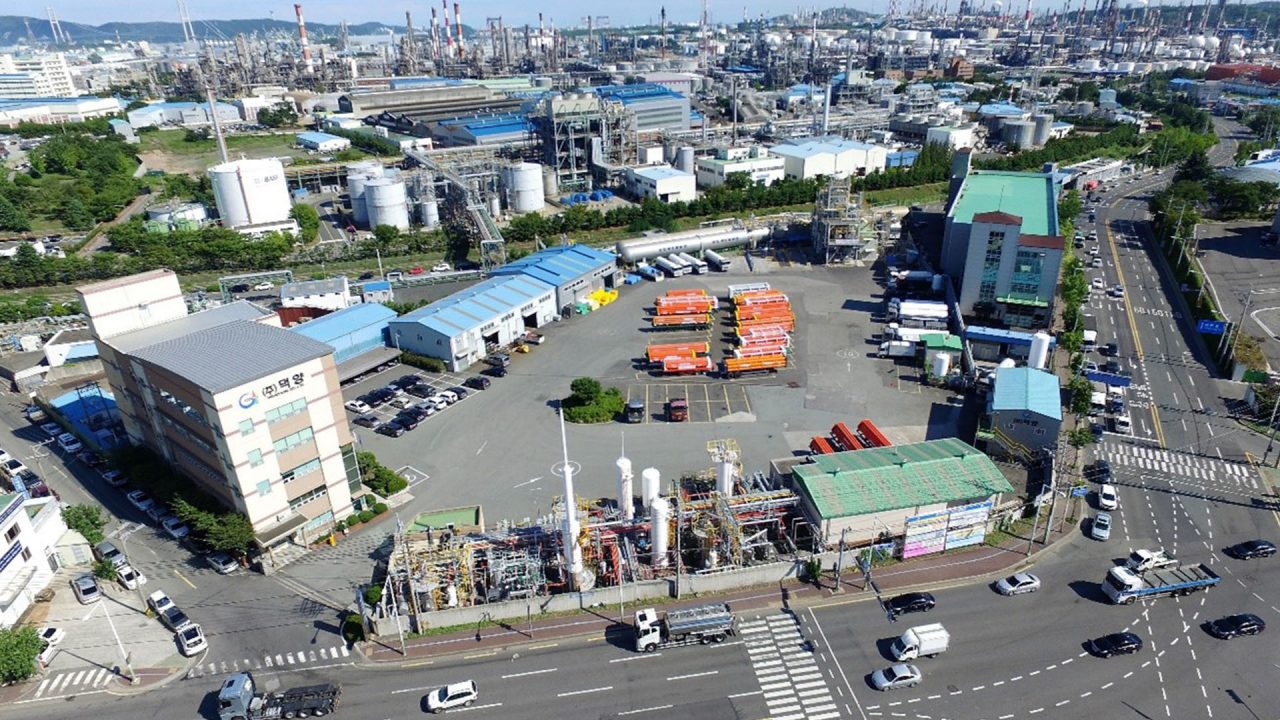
86, 520
105, 570
75, 215
19, 647
11, 217
1080, 437
308, 221
585, 390
385, 235
1196, 168
278, 115
1070, 205
1081, 395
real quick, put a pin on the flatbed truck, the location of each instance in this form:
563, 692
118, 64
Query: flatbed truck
706, 624
238, 701
1123, 586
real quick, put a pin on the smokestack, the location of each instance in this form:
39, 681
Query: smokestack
302, 36
1026, 18
664, 38
457, 20
435, 36
569, 531
448, 32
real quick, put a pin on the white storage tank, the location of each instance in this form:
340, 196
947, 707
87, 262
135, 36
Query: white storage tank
386, 202
431, 214
941, 364
550, 184
684, 159
495, 207
250, 192
524, 188
1044, 127
724, 479
649, 479
661, 531
626, 503
1039, 356
358, 174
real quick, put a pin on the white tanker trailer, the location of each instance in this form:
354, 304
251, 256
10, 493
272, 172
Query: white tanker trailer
692, 242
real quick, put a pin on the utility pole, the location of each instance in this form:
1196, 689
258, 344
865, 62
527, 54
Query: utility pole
679, 554
1271, 438
840, 559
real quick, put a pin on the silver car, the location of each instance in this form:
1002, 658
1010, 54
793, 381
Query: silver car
86, 588
1018, 584
896, 676
1100, 528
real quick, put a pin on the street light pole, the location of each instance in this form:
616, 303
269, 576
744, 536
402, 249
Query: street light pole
1271, 438
128, 659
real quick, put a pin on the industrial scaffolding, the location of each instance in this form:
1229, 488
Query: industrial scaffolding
470, 183
580, 131
840, 233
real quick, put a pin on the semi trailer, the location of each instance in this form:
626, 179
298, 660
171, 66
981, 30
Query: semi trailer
706, 623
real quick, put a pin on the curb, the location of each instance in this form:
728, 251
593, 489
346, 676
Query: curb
175, 674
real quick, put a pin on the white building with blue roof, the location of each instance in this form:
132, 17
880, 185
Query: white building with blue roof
186, 114
575, 271
464, 327
1025, 410
321, 142
663, 182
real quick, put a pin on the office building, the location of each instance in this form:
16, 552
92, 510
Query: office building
32, 76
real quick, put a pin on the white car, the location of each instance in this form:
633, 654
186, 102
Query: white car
4, 456
158, 601
441, 267
50, 637
358, 407
452, 696
86, 589
69, 443
12, 467
1018, 584
1108, 498
1099, 284
114, 478
175, 528
129, 577
1096, 263
896, 676
264, 286
1100, 528
140, 500
191, 640
1117, 291
52, 429
438, 402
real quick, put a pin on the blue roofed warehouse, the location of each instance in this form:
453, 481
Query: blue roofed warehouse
358, 336
575, 271
1025, 410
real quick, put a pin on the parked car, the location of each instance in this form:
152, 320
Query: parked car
1108, 499
140, 500
416, 412
440, 267
175, 527
1100, 528
130, 578
437, 401
52, 429
405, 382
1100, 472
265, 285
910, 603
357, 406
896, 676
222, 562
456, 695
427, 407
91, 458
86, 589
416, 270
369, 421
106, 550
1121, 643
50, 638
406, 420
496, 372
1252, 549
390, 429
1018, 584
69, 443
13, 466
479, 382
114, 478
1234, 626
421, 391
459, 391
191, 640
157, 512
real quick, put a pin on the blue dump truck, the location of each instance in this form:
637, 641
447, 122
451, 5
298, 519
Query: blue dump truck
238, 701
1123, 586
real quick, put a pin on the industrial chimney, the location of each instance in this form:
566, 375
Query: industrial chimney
302, 36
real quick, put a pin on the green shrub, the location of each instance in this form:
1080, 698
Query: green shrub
366, 516
104, 570
18, 649
379, 508
373, 595
379, 477
352, 628
353, 521
422, 362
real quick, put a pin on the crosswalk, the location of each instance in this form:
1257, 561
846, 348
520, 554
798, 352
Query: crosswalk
74, 682
279, 661
1142, 459
792, 684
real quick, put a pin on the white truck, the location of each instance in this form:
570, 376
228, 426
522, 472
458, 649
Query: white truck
1124, 587
1141, 560
897, 349
924, 640
705, 623
894, 331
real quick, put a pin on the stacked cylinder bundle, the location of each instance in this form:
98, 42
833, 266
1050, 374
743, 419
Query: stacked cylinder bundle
763, 323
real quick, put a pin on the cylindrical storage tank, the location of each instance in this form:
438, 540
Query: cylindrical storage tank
941, 364
1039, 356
1008, 363
626, 503
649, 479
250, 192
524, 188
724, 479
431, 214
1021, 133
495, 207
550, 185
661, 531
684, 159
386, 203
597, 151
1044, 126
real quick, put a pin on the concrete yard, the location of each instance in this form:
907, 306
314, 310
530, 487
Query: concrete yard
501, 447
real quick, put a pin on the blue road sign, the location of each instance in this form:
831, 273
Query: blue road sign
1211, 327
1109, 378
1080, 491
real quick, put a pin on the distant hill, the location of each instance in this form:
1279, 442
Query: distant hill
13, 29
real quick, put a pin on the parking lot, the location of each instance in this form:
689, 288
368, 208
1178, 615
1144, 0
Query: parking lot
501, 447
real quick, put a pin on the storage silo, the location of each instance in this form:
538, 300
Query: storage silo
250, 192
387, 203
684, 159
524, 187
358, 174
431, 214
550, 184
1020, 133
1039, 355
1044, 127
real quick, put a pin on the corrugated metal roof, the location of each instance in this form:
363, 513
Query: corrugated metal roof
1030, 196
238, 311
221, 357
316, 137
559, 265
1001, 335
346, 321
474, 306
1023, 388
903, 476
313, 287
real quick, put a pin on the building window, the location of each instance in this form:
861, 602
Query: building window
255, 457
264, 487
26, 554
305, 468
289, 442
246, 427
275, 415
12, 533
301, 500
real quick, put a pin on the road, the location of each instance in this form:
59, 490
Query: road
100, 240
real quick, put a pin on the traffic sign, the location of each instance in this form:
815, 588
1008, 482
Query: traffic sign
1080, 491
1211, 327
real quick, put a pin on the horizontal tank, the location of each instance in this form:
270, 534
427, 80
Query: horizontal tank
690, 241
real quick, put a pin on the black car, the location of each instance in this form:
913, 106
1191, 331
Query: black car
241, 288
1110, 350
381, 396
1233, 626
372, 400
478, 382
415, 412
368, 421
910, 603
1113, 367
390, 429
495, 372
404, 382
423, 391
406, 421
1100, 472
458, 390
367, 275
1250, 549
1122, 643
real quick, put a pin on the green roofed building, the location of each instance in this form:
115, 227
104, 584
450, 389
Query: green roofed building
871, 492
1003, 244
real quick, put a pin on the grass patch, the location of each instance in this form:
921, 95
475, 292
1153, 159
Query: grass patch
914, 195
169, 150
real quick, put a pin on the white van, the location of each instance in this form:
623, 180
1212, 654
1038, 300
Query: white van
1123, 426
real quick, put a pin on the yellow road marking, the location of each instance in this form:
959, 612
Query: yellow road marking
184, 579
1133, 326
543, 645
419, 663
479, 655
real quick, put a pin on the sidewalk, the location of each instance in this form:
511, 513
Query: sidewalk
918, 574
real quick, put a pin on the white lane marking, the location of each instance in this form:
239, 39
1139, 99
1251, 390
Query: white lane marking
477, 707
637, 657
745, 694
648, 709
531, 672
584, 692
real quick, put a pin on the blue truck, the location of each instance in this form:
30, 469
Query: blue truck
1124, 586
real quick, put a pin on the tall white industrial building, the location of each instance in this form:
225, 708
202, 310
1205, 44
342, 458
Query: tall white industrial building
31, 76
252, 196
